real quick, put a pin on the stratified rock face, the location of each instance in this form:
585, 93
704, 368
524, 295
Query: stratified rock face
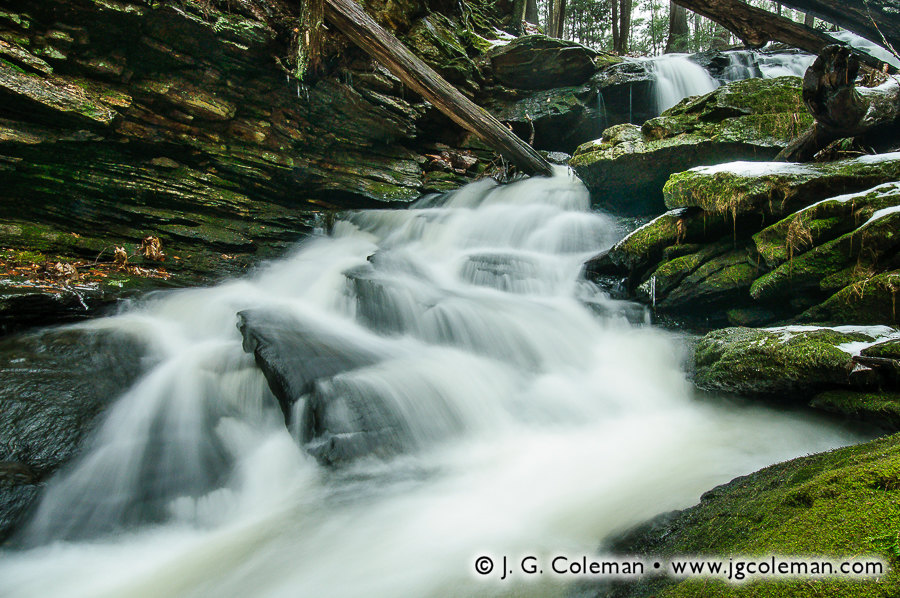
55, 384
120, 120
841, 504
541, 62
562, 118
746, 120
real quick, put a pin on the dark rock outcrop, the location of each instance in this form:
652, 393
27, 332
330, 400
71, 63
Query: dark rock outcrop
791, 361
55, 384
182, 121
541, 62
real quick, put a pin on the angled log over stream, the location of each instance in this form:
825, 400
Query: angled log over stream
839, 107
755, 27
351, 20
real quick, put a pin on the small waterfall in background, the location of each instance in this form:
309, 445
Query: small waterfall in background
677, 77
485, 397
784, 64
742, 64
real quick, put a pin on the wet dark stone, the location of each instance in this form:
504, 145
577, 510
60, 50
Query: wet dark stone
56, 384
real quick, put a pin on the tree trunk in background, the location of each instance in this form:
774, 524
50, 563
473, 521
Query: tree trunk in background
531, 12
615, 25
809, 20
678, 29
309, 39
620, 42
557, 18
520, 9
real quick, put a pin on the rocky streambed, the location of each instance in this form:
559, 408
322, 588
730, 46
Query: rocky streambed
179, 122
794, 268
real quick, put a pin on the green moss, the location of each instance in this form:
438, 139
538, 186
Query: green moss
887, 350
777, 190
849, 259
723, 279
20, 19
772, 361
822, 222
840, 504
882, 408
868, 300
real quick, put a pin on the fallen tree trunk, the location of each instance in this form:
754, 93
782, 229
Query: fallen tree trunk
756, 27
876, 20
839, 107
351, 20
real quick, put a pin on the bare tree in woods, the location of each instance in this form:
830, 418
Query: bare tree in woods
531, 12
557, 18
524, 11
809, 20
520, 9
678, 29
621, 25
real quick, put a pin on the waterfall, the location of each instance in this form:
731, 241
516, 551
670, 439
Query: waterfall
784, 63
518, 409
742, 65
677, 78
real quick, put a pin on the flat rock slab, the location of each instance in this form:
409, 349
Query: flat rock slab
775, 189
796, 361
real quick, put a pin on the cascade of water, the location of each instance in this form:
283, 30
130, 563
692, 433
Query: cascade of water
741, 65
677, 77
784, 64
517, 420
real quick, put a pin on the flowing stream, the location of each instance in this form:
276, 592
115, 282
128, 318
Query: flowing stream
534, 415
678, 77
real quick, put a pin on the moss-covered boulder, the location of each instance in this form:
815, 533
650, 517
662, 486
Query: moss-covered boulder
791, 361
821, 222
840, 505
775, 189
886, 350
745, 120
541, 62
699, 283
675, 232
879, 408
851, 259
870, 299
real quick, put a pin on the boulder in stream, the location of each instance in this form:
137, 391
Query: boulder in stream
55, 385
626, 169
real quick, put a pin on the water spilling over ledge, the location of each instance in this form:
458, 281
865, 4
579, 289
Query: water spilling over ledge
453, 386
